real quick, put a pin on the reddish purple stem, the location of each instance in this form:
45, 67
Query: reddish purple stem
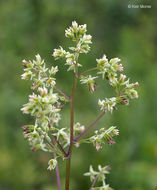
57, 175
62, 93
86, 130
94, 182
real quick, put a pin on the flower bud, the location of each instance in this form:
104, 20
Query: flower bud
38, 58
34, 86
25, 63
133, 93
83, 29
98, 146
27, 128
110, 141
34, 149
124, 100
92, 87
26, 75
75, 26
122, 78
42, 91
136, 84
120, 68
76, 145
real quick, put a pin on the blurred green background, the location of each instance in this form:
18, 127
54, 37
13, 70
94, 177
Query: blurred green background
28, 27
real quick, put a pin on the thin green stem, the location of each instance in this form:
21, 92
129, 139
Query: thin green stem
68, 164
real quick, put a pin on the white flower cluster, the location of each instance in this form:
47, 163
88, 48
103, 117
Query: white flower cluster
124, 90
107, 104
37, 72
75, 31
36, 137
78, 34
100, 175
63, 134
101, 136
109, 69
43, 104
89, 80
78, 128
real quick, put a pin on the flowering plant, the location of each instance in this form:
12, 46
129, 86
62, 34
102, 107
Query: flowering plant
47, 101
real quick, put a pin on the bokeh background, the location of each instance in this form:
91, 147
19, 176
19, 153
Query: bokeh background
28, 27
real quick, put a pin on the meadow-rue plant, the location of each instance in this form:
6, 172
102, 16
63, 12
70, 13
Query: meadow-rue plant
47, 101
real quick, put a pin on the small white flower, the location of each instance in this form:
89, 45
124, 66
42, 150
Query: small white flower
26, 75
114, 60
88, 79
42, 91
25, 109
122, 78
120, 68
59, 53
74, 25
107, 104
53, 70
38, 58
52, 164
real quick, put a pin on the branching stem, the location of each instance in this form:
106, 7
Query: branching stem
60, 146
68, 161
94, 182
62, 93
94, 68
86, 130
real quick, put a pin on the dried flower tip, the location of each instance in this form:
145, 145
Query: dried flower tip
33, 149
110, 141
108, 168
59, 106
124, 100
34, 86
136, 84
25, 128
25, 63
